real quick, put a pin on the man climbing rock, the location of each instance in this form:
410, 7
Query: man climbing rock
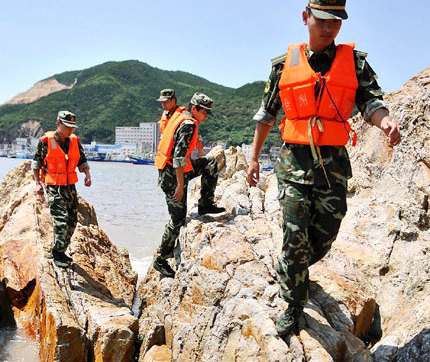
176, 169
317, 84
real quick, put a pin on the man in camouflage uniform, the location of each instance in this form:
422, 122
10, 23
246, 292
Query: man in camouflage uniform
174, 182
62, 199
312, 190
169, 103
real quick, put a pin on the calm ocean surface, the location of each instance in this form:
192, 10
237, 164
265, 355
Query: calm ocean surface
130, 208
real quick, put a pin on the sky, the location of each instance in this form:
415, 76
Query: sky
227, 42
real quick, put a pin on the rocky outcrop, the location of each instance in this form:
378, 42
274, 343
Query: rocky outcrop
224, 300
79, 314
26, 129
369, 296
386, 231
39, 90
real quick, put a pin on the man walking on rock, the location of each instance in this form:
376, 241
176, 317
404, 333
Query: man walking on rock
317, 83
176, 169
58, 154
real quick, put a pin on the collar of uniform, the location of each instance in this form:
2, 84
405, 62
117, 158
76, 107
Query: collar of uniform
58, 139
169, 114
330, 52
187, 113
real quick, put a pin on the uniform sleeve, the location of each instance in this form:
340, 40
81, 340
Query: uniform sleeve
369, 94
271, 103
182, 140
39, 156
83, 162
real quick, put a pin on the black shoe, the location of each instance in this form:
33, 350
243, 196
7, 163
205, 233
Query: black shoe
288, 320
61, 259
163, 267
210, 209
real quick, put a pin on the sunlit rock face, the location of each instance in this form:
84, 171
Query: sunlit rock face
369, 296
82, 313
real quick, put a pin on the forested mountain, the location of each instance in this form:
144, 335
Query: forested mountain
124, 94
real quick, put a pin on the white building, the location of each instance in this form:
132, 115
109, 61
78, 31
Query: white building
147, 135
24, 146
246, 149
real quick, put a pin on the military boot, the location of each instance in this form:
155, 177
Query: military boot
61, 259
210, 209
163, 267
288, 320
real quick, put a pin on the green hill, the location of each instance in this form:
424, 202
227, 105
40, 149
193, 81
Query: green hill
124, 94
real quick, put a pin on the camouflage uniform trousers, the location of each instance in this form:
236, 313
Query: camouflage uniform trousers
206, 167
63, 205
311, 219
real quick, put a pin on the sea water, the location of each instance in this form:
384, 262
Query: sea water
130, 208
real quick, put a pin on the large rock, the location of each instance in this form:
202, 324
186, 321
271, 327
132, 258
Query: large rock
82, 313
223, 302
369, 296
386, 231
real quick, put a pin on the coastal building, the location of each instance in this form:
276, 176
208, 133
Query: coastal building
147, 136
274, 152
265, 159
117, 151
246, 149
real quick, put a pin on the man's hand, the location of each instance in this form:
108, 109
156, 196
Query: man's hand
179, 193
391, 130
253, 173
381, 119
39, 192
87, 180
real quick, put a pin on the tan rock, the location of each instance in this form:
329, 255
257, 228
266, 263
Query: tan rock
373, 285
39, 90
158, 354
84, 310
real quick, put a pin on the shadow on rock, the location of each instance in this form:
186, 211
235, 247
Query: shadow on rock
416, 350
6, 314
88, 285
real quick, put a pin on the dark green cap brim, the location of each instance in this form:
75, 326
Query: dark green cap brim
68, 124
329, 14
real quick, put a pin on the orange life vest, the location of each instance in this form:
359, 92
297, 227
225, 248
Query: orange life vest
318, 120
61, 167
165, 120
166, 143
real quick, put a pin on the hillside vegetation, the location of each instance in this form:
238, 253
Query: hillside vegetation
124, 94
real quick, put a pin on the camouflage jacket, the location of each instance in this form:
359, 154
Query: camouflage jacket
181, 142
296, 163
42, 150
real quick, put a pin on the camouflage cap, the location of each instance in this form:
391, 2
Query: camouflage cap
328, 9
202, 100
67, 118
166, 94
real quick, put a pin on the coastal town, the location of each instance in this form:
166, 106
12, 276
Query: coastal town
137, 145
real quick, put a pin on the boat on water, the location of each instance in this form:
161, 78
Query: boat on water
140, 161
267, 168
96, 158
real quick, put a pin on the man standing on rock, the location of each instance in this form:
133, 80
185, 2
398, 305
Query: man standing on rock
58, 154
317, 83
176, 169
169, 102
